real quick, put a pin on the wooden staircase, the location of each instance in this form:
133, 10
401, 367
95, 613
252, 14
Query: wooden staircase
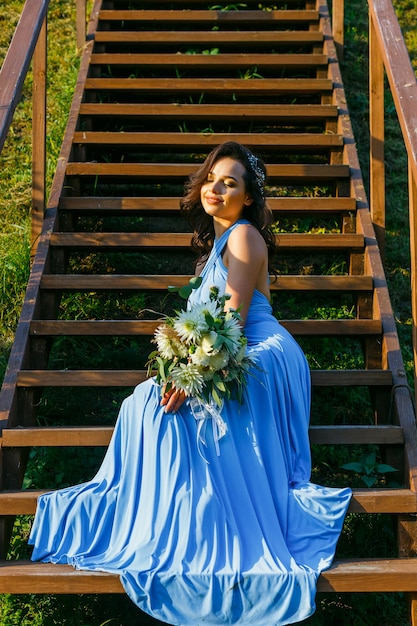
158, 88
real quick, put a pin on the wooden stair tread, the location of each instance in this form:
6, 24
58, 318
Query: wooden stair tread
264, 112
182, 240
172, 15
207, 85
135, 282
86, 436
350, 327
130, 378
361, 575
168, 203
191, 140
214, 37
204, 2
224, 60
303, 173
363, 501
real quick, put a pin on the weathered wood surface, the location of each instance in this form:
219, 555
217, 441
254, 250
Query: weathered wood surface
158, 204
17, 61
311, 328
309, 282
130, 378
255, 37
363, 501
376, 575
100, 436
172, 16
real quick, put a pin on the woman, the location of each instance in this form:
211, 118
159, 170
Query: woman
237, 535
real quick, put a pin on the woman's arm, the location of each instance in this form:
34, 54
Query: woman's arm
246, 259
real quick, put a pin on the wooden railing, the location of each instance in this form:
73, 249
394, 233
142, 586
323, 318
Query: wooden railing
29, 44
388, 55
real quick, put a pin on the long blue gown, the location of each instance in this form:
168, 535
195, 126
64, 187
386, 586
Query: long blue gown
236, 535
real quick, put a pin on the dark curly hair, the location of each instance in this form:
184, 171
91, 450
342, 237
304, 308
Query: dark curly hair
257, 213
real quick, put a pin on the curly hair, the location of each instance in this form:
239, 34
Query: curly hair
257, 213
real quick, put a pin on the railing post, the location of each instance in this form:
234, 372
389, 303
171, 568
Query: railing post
39, 136
377, 137
412, 190
338, 22
81, 15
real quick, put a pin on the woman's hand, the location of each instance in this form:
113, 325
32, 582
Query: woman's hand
172, 400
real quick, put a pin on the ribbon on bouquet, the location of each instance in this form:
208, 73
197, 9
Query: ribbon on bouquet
202, 412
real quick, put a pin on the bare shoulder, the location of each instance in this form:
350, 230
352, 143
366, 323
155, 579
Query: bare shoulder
247, 236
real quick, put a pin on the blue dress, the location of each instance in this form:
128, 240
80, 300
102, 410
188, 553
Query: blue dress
231, 532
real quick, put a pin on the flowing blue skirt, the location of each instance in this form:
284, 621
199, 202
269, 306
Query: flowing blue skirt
202, 532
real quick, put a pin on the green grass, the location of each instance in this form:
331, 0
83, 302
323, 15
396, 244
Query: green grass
374, 538
15, 159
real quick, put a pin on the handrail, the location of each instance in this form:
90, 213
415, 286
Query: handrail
387, 51
29, 43
338, 26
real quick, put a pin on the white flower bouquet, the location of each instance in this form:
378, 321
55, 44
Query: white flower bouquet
202, 350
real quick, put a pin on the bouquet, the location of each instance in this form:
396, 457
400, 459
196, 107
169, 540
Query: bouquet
202, 350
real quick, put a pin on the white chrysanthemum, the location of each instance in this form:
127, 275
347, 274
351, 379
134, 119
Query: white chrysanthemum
190, 325
188, 378
219, 360
169, 344
200, 357
208, 342
212, 308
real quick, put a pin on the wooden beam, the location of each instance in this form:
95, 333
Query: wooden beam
309, 328
336, 241
87, 436
372, 501
286, 204
360, 575
252, 17
130, 378
81, 282
264, 112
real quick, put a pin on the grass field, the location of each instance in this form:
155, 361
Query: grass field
15, 167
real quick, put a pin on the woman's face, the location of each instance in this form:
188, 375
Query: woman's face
224, 194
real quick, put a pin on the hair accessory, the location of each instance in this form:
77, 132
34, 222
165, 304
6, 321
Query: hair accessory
259, 174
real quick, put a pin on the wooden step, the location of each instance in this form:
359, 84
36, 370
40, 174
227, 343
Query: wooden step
266, 86
260, 112
214, 38
182, 170
361, 575
131, 378
208, 17
202, 61
87, 436
84, 282
307, 328
189, 141
371, 501
306, 241
249, 3
286, 205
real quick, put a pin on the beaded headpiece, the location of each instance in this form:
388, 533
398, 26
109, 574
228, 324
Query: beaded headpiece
257, 170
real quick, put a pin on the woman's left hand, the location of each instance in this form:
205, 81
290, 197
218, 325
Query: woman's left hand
172, 400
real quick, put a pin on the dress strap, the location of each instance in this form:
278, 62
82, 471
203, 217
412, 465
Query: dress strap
219, 245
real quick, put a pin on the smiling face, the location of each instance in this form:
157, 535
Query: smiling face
224, 194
